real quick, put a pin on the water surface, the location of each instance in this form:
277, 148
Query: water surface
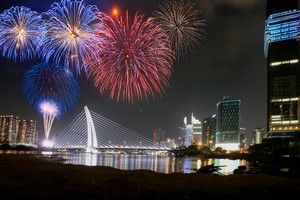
161, 164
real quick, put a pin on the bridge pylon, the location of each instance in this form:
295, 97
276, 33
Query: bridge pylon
92, 137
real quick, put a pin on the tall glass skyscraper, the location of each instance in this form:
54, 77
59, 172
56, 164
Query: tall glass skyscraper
228, 124
282, 34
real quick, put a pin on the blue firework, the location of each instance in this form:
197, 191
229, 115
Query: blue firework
50, 82
71, 34
21, 33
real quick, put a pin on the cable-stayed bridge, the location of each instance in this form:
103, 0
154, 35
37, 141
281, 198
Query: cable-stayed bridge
92, 132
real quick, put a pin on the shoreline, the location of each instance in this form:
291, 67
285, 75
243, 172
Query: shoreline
288, 167
24, 176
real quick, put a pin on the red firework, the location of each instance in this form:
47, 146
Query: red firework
134, 60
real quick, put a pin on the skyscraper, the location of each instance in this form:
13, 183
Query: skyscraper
197, 129
209, 131
282, 33
191, 133
257, 136
228, 124
159, 136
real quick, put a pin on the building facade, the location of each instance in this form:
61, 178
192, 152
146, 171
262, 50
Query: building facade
197, 129
282, 33
228, 124
242, 138
159, 136
191, 132
209, 131
257, 136
15, 131
170, 143
188, 137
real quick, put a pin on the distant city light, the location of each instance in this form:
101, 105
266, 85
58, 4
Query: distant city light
48, 143
229, 146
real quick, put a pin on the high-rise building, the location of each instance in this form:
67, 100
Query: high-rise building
170, 143
15, 131
209, 131
180, 139
191, 132
282, 33
257, 136
158, 136
188, 139
228, 124
197, 130
242, 138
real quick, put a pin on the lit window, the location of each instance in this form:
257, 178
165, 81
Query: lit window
284, 62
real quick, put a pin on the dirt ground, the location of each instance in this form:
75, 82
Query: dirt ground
29, 177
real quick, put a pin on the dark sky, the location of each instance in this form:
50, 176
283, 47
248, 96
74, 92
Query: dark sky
230, 62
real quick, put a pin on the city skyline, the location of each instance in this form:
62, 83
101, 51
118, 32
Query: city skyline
230, 62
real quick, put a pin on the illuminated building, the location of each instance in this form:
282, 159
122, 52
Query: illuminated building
159, 136
184, 134
209, 131
228, 124
282, 32
15, 131
197, 130
242, 138
188, 139
257, 136
191, 133
170, 143
180, 139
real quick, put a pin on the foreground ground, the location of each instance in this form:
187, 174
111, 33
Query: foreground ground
28, 177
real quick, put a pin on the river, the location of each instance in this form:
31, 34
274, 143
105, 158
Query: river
162, 164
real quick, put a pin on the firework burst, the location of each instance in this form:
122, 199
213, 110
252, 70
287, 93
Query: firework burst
71, 27
135, 59
183, 24
50, 82
21, 33
50, 110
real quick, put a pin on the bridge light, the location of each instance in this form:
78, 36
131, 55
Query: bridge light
48, 144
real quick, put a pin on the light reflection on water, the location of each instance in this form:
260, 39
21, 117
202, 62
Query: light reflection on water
125, 162
165, 164
227, 166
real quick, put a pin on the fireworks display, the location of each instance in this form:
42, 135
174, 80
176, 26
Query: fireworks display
71, 27
21, 33
50, 82
129, 58
135, 59
50, 110
183, 24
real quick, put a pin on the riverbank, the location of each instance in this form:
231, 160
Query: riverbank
27, 177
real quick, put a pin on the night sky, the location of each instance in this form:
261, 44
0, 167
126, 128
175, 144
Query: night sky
230, 62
